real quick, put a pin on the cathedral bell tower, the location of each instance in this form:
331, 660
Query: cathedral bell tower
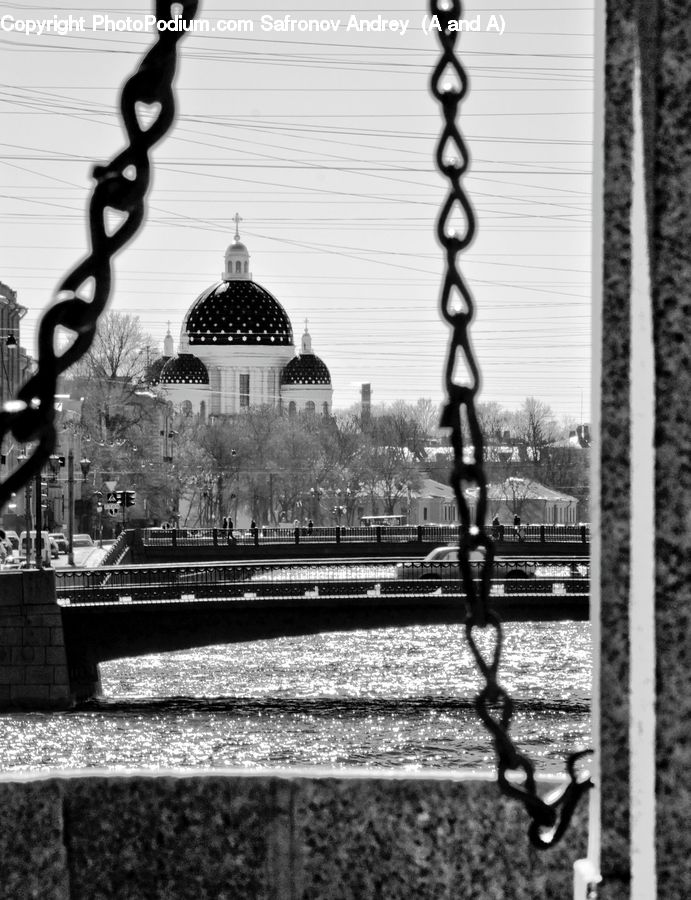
237, 258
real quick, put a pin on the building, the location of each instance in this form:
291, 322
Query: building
15, 368
236, 350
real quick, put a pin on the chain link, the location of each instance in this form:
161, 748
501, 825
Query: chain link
516, 773
121, 187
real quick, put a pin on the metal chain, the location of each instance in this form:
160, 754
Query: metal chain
121, 187
550, 818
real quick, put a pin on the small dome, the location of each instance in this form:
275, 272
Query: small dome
306, 369
184, 369
153, 373
241, 313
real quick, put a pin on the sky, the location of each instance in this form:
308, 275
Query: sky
323, 141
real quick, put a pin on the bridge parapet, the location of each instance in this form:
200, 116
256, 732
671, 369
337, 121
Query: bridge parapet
284, 836
190, 544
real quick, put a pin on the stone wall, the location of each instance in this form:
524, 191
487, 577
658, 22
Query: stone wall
241, 837
33, 666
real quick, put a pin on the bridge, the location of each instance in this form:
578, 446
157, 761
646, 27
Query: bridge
112, 612
156, 545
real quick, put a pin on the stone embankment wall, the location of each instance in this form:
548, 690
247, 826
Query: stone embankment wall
242, 837
33, 666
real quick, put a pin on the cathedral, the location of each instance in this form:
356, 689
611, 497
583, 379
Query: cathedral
236, 350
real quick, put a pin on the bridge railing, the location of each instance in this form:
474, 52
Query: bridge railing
181, 581
341, 534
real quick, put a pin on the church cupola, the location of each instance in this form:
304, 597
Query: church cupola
237, 258
168, 348
306, 342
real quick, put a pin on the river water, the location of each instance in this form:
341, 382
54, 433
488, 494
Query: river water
388, 698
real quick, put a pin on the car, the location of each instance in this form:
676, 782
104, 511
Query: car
60, 540
13, 538
82, 540
49, 549
442, 562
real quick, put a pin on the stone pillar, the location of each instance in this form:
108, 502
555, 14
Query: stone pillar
33, 664
646, 768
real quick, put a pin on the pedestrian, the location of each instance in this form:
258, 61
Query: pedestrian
517, 526
253, 525
496, 527
310, 527
225, 523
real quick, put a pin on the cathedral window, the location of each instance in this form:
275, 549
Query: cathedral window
244, 391
325, 409
309, 407
238, 267
291, 409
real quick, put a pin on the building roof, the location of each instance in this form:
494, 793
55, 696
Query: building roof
527, 489
238, 312
184, 369
306, 369
153, 373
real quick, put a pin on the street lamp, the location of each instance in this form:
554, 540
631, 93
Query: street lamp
85, 465
315, 494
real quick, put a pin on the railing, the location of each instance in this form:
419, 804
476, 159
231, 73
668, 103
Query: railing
396, 534
117, 551
240, 580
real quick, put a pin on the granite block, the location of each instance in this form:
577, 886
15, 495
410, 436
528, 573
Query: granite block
33, 862
39, 587
55, 656
57, 637
38, 675
43, 616
35, 635
30, 694
11, 675
163, 837
10, 588
428, 839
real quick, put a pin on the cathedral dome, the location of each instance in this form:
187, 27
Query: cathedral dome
238, 312
184, 369
306, 370
153, 373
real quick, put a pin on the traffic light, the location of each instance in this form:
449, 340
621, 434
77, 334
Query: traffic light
130, 498
44, 494
121, 497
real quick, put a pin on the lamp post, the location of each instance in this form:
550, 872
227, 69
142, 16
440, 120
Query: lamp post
315, 494
98, 500
85, 465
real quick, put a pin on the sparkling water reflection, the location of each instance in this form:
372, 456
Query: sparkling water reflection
398, 697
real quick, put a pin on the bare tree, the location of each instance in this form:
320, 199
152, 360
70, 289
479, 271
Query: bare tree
535, 427
109, 376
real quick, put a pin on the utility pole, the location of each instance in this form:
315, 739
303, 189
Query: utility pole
70, 505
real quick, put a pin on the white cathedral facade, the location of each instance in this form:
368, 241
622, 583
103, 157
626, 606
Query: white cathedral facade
236, 350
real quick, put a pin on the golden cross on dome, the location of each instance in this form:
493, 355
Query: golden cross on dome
237, 219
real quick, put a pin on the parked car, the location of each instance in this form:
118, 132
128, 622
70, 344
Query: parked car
13, 539
82, 540
49, 549
60, 540
442, 562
